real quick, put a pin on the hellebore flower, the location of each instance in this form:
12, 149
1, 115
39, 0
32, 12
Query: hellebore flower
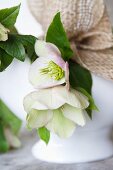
49, 69
3, 33
57, 108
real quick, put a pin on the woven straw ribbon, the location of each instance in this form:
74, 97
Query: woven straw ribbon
88, 28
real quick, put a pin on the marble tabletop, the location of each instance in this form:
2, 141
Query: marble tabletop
22, 159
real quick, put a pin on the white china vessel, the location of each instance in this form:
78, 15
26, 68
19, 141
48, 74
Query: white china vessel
93, 142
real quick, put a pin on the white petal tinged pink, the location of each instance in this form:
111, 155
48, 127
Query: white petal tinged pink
43, 72
49, 51
67, 76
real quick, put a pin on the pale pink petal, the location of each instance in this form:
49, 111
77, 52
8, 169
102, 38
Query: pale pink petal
67, 76
49, 50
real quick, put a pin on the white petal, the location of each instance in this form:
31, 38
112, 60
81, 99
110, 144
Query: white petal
32, 99
43, 48
53, 98
74, 114
39, 80
43, 99
37, 118
60, 125
49, 98
49, 50
82, 98
72, 97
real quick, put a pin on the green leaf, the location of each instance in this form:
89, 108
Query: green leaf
4, 146
5, 60
28, 42
32, 56
9, 119
44, 134
8, 16
89, 112
92, 105
14, 48
80, 77
57, 35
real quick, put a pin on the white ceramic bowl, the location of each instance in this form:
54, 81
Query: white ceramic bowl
90, 143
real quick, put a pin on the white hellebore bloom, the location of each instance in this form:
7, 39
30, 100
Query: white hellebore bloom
49, 69
57, 108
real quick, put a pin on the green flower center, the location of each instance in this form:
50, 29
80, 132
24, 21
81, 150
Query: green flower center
53, 70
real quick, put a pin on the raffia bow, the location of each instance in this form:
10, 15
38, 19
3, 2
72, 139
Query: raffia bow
88, 28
